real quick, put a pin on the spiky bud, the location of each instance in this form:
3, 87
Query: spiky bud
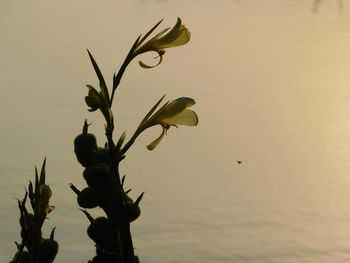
85, 146
48, 250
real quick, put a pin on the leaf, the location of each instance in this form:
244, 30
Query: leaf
52, 235
91, 219
36, 190
120, 141
123, 180
75, 190
31, 192
103, 85
152, 110
139, 198
42, 173
150, 32
117, 77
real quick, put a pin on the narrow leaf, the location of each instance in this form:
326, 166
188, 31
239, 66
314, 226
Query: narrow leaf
31, 192
117, 77
75, 190
42, 173
139, 199
36, 190
120, 141
103, 85
91, 219
123, 180
150, 31
152, 110
52, 235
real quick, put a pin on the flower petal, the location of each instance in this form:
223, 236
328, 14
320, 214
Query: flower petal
171, 35
45, 193
186, 117
175, 107
154, 144
181, 38
143, 65
93, 99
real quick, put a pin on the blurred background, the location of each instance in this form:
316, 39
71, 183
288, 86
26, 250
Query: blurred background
271, 81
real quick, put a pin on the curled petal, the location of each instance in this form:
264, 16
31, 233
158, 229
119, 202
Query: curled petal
154, 144
143, 65
178, 35
49, 209
186, 117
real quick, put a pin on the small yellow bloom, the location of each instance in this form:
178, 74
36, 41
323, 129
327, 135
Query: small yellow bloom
96, 100
177, 36
45, 195
170, 114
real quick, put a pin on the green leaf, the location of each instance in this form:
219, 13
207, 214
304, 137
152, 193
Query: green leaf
91, 219
139, 198
52, 235
117, 77
103, 85
36, 183
31, 192
42, 173
75, 190
150, 32
152, 110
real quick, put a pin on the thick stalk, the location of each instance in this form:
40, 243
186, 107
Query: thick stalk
116, 208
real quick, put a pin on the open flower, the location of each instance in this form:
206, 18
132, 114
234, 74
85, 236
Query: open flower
170, 114
177, 36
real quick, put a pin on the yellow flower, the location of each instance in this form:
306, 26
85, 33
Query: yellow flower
96, 100
45, 195
170, 114
177, 36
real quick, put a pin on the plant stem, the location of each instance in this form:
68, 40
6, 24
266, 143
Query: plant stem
116, 209
118, 77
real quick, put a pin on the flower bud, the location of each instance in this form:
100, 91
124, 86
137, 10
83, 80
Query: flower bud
97, 176
133, 211
48, 250
88, 198
84, 147
24, 257
100, 231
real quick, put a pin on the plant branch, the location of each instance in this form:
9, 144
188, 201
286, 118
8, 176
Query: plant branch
117, 77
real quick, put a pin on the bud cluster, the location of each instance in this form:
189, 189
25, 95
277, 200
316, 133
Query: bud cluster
34, 248
98, 167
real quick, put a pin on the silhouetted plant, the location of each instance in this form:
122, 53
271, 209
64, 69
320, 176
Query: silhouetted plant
111, 233
33, 247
